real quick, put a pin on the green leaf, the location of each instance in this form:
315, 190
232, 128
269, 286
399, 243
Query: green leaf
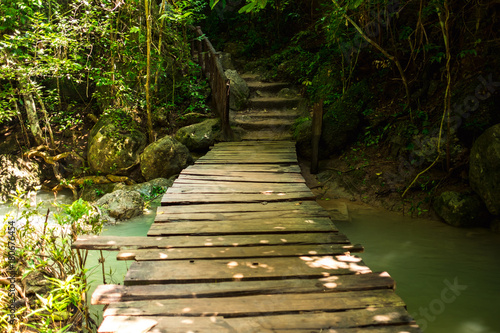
247, 8
213, 3
356, 3
135, 29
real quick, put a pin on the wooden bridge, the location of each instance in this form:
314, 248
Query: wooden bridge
240, 245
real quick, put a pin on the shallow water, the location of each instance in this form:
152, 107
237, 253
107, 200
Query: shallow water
448, 277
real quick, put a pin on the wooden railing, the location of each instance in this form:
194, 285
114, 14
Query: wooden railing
210, 63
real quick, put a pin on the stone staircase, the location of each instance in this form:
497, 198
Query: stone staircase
271, 111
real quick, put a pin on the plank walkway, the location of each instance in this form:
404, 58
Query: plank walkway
240, 245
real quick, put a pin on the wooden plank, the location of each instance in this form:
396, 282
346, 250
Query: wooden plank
257, 305
326, 320
311, 206
249, 177
279, 168
237, 187
256, 143
164, 216
385, 320
248, 155
237, 252
270, 160
184, 199
191, 271
115, 243
213, 324
248, 240
276, 225
223, 172
106, 294
255, 149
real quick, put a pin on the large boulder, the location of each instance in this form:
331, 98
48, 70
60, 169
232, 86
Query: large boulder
199, 136
239, 92
459, 209
484, 171
302, 135
121, 205
114, 145
164, 158
16, 173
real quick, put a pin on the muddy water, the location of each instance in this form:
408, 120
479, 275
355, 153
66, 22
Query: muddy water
448, 277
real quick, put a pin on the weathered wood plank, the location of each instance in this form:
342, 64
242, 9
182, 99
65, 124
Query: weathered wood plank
257, 305
185, 199
222, 172
239, 161
106, 294
237, 187
254, 149
249, 156
115, 243
273, 225
123, 324
163, 216
248, 240
325, 320
259, 177
237, 252
378, 320
256, 143
279, 168
310, 206
191, 271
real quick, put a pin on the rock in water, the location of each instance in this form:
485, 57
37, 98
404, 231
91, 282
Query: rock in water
164, 158
199, 136
16, 173
459, 209
121, 204
114, 148
239, 91
484, 171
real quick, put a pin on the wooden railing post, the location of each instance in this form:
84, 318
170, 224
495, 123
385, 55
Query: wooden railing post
211, 66
317, 122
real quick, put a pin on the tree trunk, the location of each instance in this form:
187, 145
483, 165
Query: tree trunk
148, 69
33, 121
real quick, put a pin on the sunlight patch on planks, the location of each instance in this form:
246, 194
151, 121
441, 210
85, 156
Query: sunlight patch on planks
240, 245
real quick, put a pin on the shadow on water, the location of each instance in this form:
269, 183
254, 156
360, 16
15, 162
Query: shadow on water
448, 277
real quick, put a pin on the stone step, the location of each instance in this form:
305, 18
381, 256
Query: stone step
249, 77
267, 87
272, 102
257, 124
267, 135
266, 114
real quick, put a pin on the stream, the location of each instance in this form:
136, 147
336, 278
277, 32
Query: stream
448, 277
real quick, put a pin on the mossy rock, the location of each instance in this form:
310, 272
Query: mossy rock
199, 136
459, 209
164, 158
114, 145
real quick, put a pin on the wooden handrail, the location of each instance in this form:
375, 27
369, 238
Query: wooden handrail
211, 66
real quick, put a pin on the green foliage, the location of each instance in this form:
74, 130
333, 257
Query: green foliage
46, 249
